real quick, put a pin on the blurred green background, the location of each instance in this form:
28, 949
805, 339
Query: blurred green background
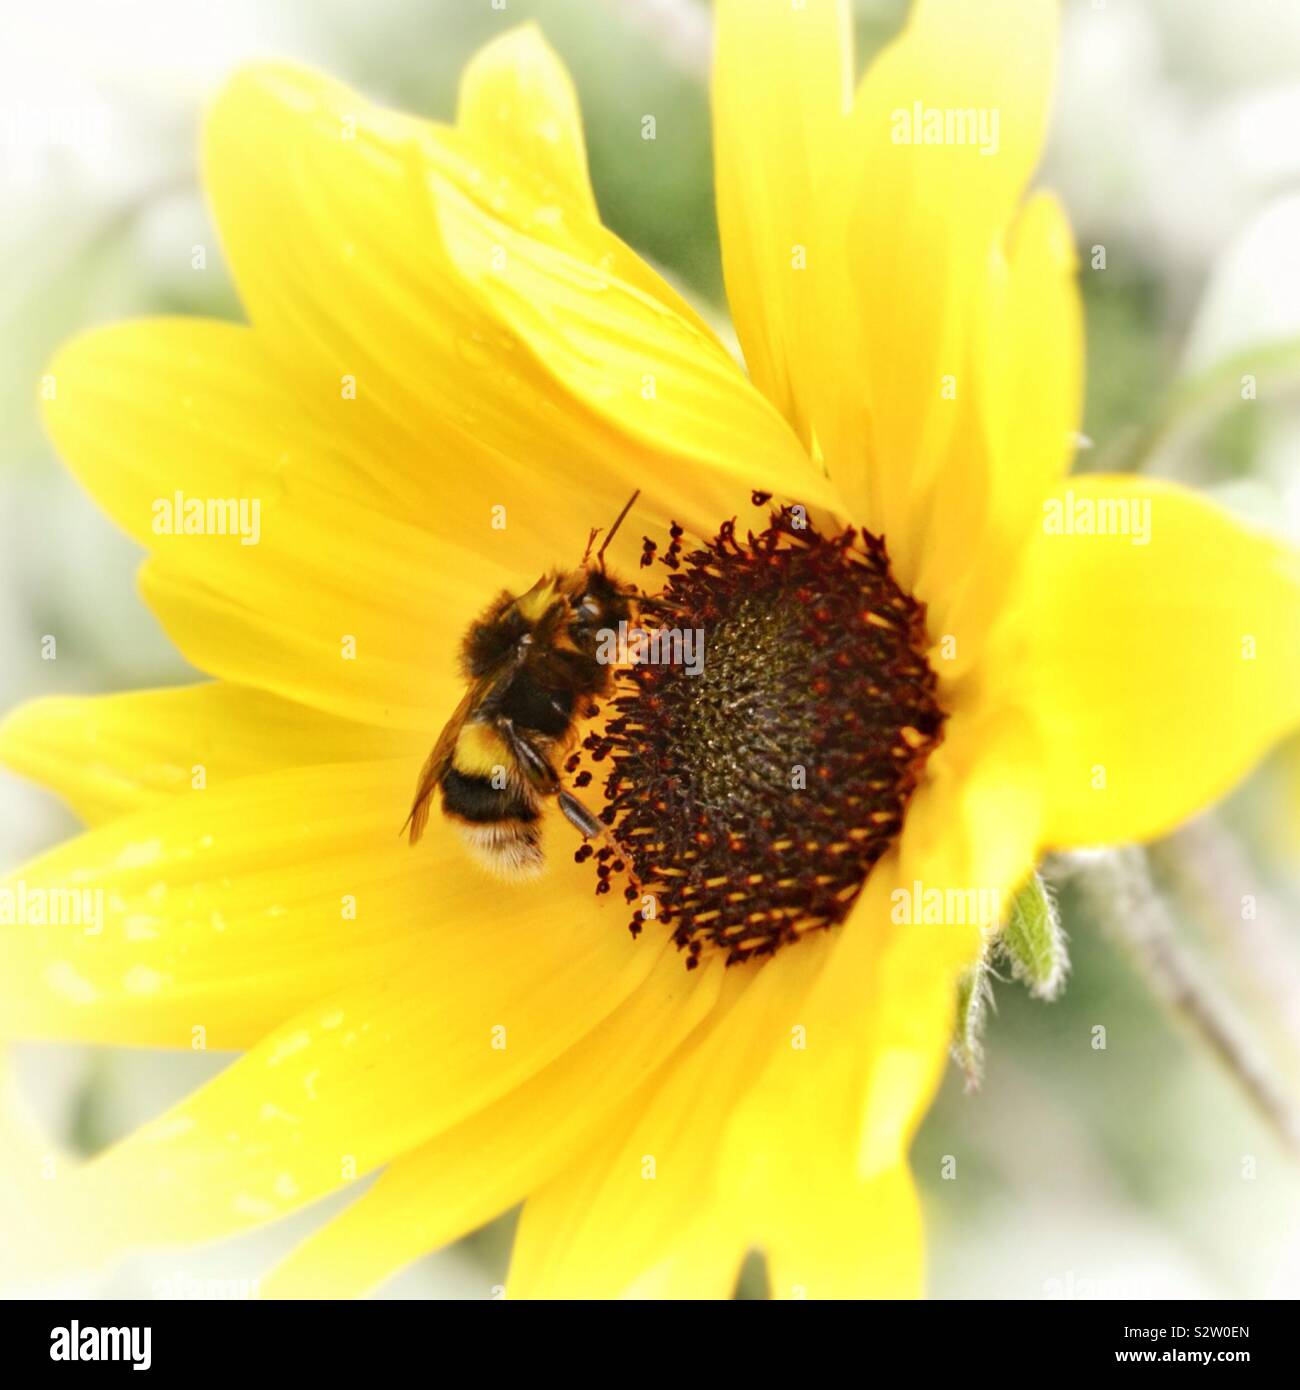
1075, 1172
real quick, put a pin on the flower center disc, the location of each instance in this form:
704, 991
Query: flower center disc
754, 784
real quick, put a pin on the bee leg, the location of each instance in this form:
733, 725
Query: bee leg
577, 815
591, 828
545, 780
533, 763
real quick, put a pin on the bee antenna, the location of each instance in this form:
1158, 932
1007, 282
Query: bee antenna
610, 534
591, 540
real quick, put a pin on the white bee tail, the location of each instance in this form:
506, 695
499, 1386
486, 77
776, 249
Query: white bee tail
508, 849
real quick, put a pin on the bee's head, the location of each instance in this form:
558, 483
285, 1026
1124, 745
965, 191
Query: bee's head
602, 598
599, 601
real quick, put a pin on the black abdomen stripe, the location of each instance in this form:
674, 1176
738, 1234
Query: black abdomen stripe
475, 799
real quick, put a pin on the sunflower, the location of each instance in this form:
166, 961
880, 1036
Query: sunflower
451, 372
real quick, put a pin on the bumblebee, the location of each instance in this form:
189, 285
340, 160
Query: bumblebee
533, 673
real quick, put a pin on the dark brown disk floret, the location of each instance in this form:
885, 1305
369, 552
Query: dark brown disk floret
751, 798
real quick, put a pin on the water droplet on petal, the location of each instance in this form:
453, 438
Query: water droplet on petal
139, 855
288, 1046
141, 979
473, 350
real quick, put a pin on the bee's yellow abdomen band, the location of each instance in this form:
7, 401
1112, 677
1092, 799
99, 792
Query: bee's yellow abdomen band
479, 750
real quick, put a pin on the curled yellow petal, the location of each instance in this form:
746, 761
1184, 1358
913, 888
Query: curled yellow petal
518, 102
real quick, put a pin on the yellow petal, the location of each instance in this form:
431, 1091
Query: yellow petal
924, 215
355, 237
463, 1178
700, 1265
110, 755
162, 418
206, 919
379, 1067
780, 93
1029, 370
886, 296
971, 836
518, 104
817, 1143
230, 426
784, 1125
843, 1238
624, 1209
681, 404
1160, 660
518, 114
916, 228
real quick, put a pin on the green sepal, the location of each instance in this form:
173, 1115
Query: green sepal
974, 1000
1032, 939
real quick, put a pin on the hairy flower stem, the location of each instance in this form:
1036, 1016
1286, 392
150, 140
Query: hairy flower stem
1209, 874
1123, 898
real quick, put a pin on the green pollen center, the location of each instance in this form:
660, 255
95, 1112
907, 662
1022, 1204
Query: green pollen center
738, 735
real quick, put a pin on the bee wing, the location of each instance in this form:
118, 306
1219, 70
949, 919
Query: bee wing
435, 765
479, 700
